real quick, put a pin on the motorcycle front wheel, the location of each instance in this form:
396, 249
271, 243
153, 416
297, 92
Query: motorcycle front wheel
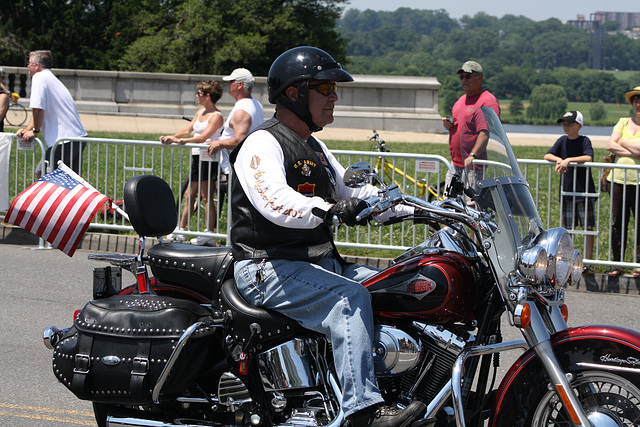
608, 400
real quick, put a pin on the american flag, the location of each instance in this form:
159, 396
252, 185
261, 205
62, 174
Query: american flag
58, 207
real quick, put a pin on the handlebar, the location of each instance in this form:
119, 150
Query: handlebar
381, 145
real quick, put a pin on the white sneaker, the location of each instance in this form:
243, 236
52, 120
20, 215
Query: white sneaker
177, 237
203, 240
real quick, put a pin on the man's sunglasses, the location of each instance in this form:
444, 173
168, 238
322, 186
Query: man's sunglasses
466, 76
325, 89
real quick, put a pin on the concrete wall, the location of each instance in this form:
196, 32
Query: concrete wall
395, 103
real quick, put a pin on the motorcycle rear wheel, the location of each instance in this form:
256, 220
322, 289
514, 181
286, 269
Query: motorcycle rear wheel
608, 400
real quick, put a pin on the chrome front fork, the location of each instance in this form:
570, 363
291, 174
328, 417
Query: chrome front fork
538, 339
537, 335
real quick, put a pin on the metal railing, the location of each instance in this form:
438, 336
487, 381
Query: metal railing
546, 188
108, 163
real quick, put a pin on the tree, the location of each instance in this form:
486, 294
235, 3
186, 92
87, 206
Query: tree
180, 36
547, 102
449, 93
597, 111
511, 81
516, 107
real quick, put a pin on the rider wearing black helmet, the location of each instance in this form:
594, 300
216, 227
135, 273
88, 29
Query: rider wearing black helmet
297, 67
284, 191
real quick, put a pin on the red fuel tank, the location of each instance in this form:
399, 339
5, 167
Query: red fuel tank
435, 288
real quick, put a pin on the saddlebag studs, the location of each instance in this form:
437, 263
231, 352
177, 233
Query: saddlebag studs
137, 327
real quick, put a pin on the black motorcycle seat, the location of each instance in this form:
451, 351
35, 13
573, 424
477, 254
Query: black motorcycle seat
199, 268
273, 325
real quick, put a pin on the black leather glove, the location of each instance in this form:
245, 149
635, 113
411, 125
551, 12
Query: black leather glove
347, 210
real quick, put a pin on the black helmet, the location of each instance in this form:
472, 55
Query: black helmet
298, 66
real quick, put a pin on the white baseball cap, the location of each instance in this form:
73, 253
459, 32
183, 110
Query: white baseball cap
241, 74
572, 117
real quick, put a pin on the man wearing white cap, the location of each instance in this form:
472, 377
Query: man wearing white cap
246, 115
475, 96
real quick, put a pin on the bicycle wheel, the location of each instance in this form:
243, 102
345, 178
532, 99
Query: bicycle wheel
16, 115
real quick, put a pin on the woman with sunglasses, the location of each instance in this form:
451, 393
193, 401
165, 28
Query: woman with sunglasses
471, 75
206, 126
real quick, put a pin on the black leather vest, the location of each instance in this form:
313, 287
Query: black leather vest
308, 172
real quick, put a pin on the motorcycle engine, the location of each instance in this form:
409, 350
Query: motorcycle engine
414, 369
394, 351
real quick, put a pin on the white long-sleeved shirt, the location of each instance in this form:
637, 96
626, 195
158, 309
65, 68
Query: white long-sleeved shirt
260, 170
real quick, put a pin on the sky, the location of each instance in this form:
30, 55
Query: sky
537, 10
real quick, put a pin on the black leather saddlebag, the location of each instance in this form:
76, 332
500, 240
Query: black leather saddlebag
119, 345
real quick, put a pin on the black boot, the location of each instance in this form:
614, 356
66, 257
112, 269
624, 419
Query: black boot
392, 416
386, 416
362, 418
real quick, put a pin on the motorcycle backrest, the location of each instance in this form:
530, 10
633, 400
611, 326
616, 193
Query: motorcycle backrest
149, 202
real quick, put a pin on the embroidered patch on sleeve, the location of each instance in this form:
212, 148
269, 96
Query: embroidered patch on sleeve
255, 162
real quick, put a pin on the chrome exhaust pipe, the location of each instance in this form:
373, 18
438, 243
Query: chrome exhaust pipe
52, 335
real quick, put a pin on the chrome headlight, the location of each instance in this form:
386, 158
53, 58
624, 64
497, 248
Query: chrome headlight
533, 264
557, 242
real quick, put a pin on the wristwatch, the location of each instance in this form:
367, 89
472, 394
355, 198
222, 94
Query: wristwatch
35, 132
473, 155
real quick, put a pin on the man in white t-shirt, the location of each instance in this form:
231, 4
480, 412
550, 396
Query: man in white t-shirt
54, 112
246, 115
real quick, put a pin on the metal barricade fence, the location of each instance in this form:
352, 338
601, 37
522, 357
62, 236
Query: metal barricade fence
108, 163
419, 175
24, 159
551, 201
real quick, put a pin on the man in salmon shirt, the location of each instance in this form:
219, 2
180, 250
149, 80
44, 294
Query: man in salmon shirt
471, 75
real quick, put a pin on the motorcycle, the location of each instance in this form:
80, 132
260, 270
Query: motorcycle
182, 347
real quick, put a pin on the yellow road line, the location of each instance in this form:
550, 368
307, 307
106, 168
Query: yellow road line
48, 418
40, 409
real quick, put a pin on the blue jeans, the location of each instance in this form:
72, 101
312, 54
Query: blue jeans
326, 298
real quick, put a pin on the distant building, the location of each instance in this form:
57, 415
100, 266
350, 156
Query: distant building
627, 20
596, 26
581, 22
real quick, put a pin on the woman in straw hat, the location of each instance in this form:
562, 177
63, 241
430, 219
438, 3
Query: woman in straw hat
624, 142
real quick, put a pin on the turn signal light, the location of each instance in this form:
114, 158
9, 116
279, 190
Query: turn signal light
522, 316
565, 312
76, 314
525, 316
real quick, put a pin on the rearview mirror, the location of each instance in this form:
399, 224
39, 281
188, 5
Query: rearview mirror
356, 175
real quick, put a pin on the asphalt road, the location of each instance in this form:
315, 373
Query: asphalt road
40, 288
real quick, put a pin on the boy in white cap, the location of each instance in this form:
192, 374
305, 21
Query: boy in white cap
577, 208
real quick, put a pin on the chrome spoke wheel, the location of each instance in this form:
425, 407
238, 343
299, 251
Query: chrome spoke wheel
609, 400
